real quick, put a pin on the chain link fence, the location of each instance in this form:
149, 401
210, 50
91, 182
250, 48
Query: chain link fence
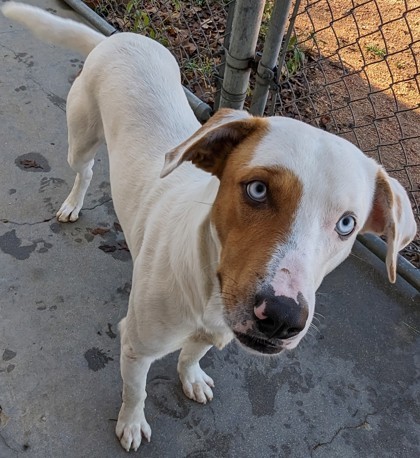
350, 67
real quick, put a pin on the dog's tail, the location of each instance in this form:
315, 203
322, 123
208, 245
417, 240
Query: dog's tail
52, 29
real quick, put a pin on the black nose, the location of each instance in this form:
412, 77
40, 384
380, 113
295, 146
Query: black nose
282, 317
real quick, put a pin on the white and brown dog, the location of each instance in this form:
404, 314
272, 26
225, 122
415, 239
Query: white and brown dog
232, 230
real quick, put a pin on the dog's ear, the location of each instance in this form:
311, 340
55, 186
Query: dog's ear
210, 146
391, 215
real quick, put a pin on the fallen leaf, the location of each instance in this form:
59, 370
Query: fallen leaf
99, 231
30, 163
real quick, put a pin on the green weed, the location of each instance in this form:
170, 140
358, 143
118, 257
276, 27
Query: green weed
376, 50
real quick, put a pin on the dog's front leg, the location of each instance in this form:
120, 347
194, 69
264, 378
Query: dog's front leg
197, 385
132, 424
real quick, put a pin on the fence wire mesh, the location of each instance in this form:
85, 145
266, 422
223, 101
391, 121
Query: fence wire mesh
350, 67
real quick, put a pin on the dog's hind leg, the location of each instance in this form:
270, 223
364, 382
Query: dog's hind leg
196, 384
132, 423
85, 134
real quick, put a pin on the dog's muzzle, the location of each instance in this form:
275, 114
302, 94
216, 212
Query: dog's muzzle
277, 319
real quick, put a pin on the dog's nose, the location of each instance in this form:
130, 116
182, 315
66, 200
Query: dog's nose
279, 317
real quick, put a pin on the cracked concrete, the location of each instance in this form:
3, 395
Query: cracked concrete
351, 389
47, 220
363, 424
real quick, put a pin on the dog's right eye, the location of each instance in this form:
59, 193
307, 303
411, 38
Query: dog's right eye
257, 191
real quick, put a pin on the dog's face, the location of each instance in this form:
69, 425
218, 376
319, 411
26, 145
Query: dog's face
291, 201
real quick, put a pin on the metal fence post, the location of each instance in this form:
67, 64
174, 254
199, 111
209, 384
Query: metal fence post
226, 44
265, 72
245, 29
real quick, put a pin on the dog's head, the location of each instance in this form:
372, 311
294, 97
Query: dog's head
291, 200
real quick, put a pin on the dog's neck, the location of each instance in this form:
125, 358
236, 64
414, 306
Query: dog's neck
197, 244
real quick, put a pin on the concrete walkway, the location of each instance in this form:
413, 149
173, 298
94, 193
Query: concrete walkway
350, 390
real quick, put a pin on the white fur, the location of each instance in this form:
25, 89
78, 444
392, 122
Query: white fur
62, 32
129, 94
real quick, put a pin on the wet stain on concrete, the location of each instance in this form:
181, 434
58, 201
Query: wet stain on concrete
286, 450
46, 246
41, 305
298, 382
20, 88
12, 191
262, 389
49, 205
219, 444
10, 367
55, 227
57, 101
25, 59
110, 333
32, 162
88, 236
47, 182
169, 400
11, 244
97, 359
8, 355
124, 290
115, 244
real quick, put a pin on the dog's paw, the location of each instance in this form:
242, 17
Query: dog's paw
196, 384
69, 211
130, 430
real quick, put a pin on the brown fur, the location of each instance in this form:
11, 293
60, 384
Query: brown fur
383, 201
246, 253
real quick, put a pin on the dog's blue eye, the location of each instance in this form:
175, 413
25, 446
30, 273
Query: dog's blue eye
345, 225
257, 190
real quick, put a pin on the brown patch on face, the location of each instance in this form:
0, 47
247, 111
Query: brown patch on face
249, 232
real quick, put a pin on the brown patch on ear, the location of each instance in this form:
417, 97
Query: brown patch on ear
391, 216
210, 152
210, 146
383, 201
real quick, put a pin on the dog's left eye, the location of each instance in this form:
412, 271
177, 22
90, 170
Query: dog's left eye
346, 224
257, 191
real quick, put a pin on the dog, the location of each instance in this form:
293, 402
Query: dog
232, 225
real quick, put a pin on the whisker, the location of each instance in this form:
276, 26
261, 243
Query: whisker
317, 319
312, 326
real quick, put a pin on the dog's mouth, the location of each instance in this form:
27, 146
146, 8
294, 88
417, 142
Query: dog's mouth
258, 344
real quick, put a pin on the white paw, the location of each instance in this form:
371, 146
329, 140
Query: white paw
196, 384
69, 211
130, 429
